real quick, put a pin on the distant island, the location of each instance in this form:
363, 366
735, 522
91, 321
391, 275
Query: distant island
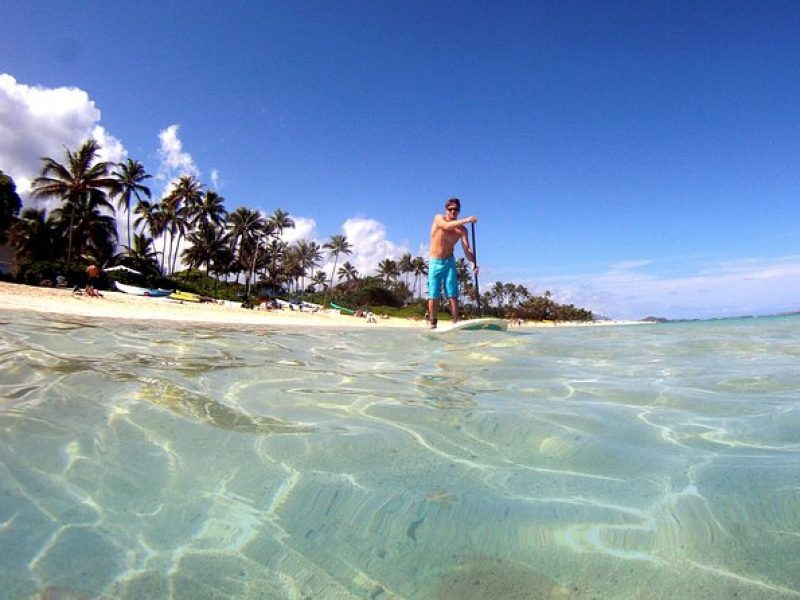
735, 318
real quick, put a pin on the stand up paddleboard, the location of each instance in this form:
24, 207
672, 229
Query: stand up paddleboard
488, 324
472, 325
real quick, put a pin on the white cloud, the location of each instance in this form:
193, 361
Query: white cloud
630, 264
370, 244
748, 286
368, 238
304, 229
174, 161
36, 121
111, 149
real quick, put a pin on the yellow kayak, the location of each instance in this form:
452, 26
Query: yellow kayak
184, 296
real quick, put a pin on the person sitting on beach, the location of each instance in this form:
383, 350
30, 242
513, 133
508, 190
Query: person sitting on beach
92, 275
447, 229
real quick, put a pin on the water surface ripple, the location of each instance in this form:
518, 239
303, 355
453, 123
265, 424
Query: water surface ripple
176, 461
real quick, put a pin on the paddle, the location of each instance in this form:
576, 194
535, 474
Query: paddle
475, 256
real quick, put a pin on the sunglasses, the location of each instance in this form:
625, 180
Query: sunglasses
453, 209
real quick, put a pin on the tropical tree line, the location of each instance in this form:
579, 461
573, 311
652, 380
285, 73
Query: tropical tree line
190, 227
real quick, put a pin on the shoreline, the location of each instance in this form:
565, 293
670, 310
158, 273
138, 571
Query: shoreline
121, 306
118, 305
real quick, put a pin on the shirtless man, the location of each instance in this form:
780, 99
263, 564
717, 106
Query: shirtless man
92, 276
447, 229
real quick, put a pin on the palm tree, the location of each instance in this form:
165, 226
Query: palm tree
348, 272
223, 262
175, 222
10, 205
187, 192
95, 232
209, 211
387, 269
207, 217
244, 227
337, 244
320, 279
462, 275
486, 298
182, 202
276, 252
406, 265
142, 255
292, 270
498, 293
206, 244
280, 220
81, 177
129, 179
150, 216
34, 236
511, 294
420, 269
470, 293
309, 256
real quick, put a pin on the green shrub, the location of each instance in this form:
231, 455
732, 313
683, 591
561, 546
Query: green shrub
35, 272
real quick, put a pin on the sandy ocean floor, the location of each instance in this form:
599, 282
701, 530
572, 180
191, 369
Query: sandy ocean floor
169, 459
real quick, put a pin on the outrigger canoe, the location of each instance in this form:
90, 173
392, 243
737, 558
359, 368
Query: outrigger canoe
135, 290
344, 308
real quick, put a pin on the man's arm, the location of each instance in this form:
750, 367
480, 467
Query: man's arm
443, 223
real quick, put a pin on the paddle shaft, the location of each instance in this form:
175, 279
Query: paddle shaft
475, 256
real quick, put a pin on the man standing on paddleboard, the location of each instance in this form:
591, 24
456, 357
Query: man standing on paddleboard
447, 229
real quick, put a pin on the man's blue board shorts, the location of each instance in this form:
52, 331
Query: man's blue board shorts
442, 272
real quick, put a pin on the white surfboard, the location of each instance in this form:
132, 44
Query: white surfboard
488, 324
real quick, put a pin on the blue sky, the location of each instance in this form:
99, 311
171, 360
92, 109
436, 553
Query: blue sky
636, 158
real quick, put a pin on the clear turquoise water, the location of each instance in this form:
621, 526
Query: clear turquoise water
142, 461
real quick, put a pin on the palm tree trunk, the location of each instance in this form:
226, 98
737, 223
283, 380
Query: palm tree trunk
164, 260
333, 272
253, 269
71, 227
175, 256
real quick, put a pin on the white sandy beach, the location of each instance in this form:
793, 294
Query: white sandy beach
117, 305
